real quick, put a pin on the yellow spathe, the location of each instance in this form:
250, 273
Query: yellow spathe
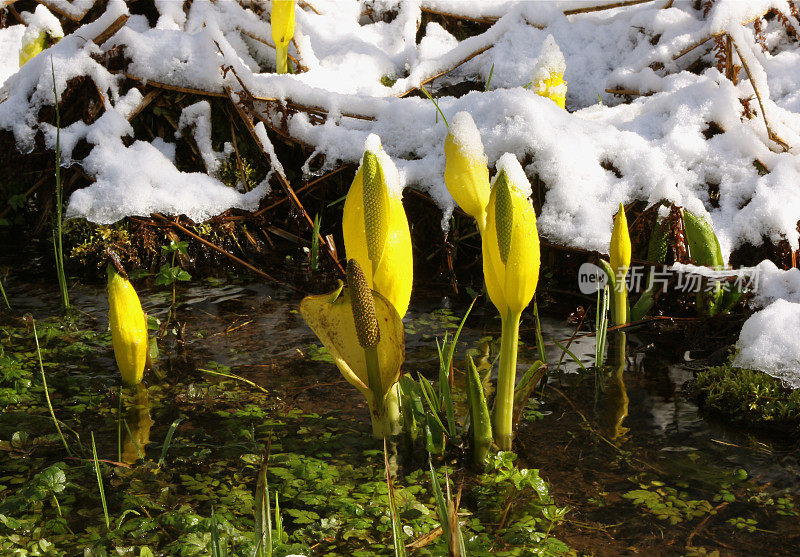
128, 329
510, 247
331, 318
376, 234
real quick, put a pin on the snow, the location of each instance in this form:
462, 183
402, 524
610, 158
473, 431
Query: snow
550, 61
466, 136
40, 20
390, 173
10, 41
509, 164
362, 66
769, 342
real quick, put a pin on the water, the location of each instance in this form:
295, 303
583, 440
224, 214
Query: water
599, 438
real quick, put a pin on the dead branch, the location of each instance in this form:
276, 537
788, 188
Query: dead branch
265, 42
74, 15
601, 7
770, 133
248, 122
715, 35
111, 30
485, 20
223, 252
457, 64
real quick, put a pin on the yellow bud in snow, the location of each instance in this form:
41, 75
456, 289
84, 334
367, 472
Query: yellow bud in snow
510, 241
548, 74
465, 173
128, 329
620, 252
34, 46
282, 25
282, 21
375, 227
620, 256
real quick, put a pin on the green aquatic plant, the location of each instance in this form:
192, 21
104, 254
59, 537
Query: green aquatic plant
447, 509
170, 274
479, 416
58, 229
748, 397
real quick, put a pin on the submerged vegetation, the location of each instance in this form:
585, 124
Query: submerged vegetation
749, 397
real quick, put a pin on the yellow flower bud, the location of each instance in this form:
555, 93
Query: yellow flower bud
32, 48
375, 227
620, 252
128, 329
282, 25
548, 74
465, 173
511, 241
620, 257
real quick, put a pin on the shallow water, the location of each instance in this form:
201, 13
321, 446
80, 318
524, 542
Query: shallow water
596, 437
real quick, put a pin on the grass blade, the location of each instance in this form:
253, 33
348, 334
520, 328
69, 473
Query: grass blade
422, 87
489, 81
570, 354
119, 425
168, 440
263, 520
397, 530
441, 505
237, 377
601, 327
3, 292
314, 253
57, 230
100, 483
133, 440
539, 339
217, 549
46, 392
430, 396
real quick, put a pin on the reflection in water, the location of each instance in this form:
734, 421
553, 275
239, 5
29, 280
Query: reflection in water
137, 418
615, 399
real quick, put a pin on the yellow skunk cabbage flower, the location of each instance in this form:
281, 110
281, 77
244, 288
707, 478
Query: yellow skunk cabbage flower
43, 30
32, 48
364, 335
620, 256
511, 271
282, 23
375, 227
465, 173
128, 329
548, 74
511, 242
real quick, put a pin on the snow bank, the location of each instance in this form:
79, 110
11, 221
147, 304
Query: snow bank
769, 342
